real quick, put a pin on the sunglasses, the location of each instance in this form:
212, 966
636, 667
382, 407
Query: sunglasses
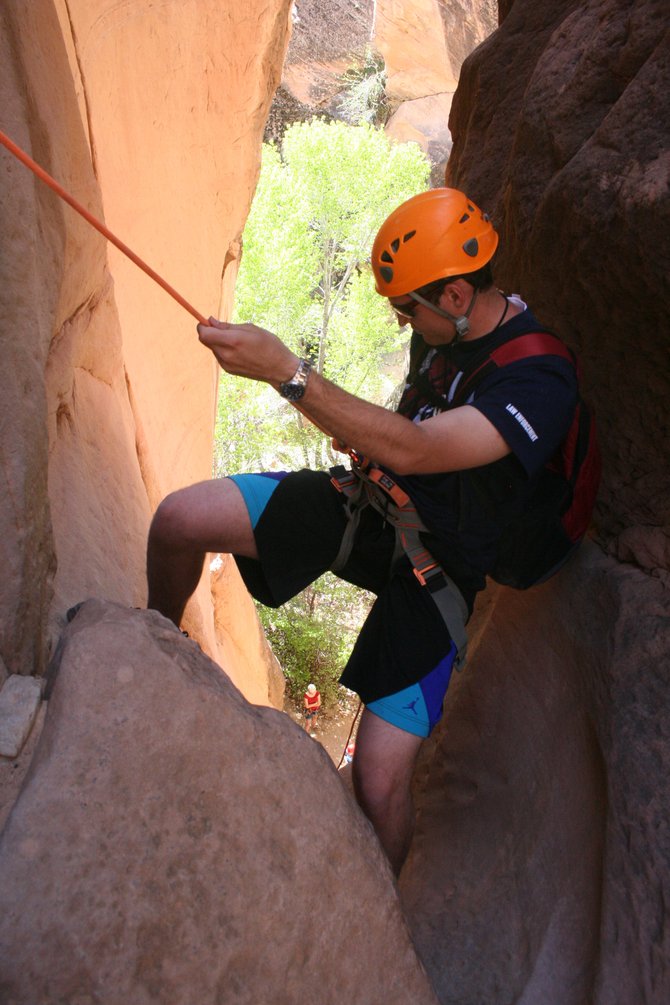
406, 310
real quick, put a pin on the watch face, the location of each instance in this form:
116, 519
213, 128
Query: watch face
294, 389
291, 391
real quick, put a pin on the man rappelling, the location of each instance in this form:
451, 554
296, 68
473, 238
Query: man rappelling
419, 517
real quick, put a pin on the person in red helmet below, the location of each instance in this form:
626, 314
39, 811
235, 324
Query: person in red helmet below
312, 707
464, 466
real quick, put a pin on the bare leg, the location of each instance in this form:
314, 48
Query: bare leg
207, 517
382, 774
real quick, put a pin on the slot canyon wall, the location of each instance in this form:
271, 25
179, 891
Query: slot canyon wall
157, 836
546, 788
422, 44
108, 398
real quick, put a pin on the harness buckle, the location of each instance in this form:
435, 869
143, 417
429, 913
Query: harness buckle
343, 479
430, 575
360, 461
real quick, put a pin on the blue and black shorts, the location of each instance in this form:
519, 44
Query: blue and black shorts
403, 658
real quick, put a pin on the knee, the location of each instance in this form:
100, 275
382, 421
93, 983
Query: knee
170, 525
377, 787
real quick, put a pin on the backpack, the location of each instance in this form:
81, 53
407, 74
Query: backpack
536, 543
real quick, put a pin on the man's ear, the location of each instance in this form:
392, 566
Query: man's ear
454, 297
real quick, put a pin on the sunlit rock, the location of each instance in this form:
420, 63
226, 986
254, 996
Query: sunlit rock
152, 118
421, 45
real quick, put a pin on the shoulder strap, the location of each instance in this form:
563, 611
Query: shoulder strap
516, 348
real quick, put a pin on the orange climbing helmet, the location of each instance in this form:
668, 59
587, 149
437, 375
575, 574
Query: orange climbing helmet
433, 235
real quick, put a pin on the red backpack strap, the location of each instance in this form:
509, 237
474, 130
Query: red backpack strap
520, 347
531, 344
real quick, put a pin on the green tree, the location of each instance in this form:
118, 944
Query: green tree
364, 98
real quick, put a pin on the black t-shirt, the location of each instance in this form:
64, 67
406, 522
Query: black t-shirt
531, 403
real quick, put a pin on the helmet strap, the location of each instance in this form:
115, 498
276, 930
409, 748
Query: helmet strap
460, 322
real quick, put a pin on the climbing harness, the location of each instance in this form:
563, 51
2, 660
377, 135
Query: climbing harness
367, 485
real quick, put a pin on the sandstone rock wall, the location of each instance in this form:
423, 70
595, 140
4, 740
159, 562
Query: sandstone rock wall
151, 115
541, 858
424, 44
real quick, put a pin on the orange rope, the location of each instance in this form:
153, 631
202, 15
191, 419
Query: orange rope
60, 191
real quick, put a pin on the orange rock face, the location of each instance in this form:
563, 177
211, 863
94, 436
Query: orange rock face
424, 43
152, 118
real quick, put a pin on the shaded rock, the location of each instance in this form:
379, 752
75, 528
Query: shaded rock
14, 771
560, 131
542, 856
161, 849
503, 886
19, 703
543, 844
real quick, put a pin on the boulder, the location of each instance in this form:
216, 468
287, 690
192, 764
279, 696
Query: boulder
542, 843
174, 843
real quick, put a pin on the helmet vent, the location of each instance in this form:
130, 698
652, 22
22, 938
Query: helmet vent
471, 247
395, 245
408, 237
385, 257
466, 216
386, 273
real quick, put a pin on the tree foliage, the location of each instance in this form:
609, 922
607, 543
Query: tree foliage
312, 635
364, 98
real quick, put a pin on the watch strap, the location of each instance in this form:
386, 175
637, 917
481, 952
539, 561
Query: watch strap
294, 388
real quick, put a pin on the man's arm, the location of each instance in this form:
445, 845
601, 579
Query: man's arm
455, 440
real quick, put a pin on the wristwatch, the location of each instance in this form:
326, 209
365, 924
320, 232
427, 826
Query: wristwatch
294, 388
